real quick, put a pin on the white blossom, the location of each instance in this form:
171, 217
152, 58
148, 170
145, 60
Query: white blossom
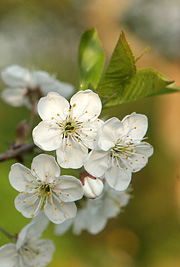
68, 129
120, 150
28, 250
27, 86
92, 186
94, 213
42, 188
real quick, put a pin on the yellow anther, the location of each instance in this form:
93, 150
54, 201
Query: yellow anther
24, 201
60, 193
86, 135
127, 135
69, 109
50, 203
145, 143
58, 114
28, 172
68, 195
74, 117
126, 168
127, 157
86, 111
52, 118
55, 208
39, 191
135, 127
98, 120
21, 192
91, 130
46, 175
78, 140
32, 204
134, 145
27, 185
131, 162
32, 215
41, 182
27, 193
59, 179
42, 208
66, 144
70, 118
50, 125
48, 193
133, 170
94, 139
143, 157
74, 105
132, 155
95, 115
32, 181
118, 166
136, 159
33, 170
80, 131
69, 144
89, 119
41, 205
82, 126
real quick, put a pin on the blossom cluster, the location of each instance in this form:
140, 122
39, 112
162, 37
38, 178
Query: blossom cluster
107, 153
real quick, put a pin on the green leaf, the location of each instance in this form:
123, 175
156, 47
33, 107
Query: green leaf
146, 82
91, 60
120, 70
172, 88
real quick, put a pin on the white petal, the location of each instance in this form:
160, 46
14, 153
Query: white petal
62, 88
89, 133
62, 228
15, 76
45, 167
86, 105
20, 176
70, 187
23, 204
97, 162
118, 178
47, 135
58, 212
41, 78
8, 256
37, 253
71, 155
135, 125
109, 133
33, 230
53, 105
92, 187
15, 97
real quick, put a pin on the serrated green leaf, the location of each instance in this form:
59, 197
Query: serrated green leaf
146, 82
91, 60
120, 70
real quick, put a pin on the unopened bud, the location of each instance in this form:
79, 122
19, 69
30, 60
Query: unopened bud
92, 186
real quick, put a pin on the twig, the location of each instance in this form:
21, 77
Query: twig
13, 153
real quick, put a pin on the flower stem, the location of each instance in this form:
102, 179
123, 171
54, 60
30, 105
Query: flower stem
6, 233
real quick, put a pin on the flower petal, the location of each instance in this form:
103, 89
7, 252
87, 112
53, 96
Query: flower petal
53, 105
71, 155
62, 228
28, 204
40, 253
8, 255
135, 125
118, 178
86, 105
96, 163
58, 212
70, 188
109, 133
46, 135
33, 230
15, 97
15, 76
20, 176
45, 167
62, 88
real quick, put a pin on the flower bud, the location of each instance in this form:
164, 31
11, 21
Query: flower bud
92, 186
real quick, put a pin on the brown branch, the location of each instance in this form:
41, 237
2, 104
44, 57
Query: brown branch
15, 152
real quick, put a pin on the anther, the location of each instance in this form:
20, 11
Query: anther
58, 114
55, 208
50, 203
33, 170
24, 201
118, 166
74, 105
94, 139
91, 130
32, 181
32, 204
27, 185
68, 195
52, 118
88, 119
27, 193
28, 172
32, 215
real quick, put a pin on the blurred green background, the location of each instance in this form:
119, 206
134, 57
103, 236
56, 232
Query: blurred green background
44, 34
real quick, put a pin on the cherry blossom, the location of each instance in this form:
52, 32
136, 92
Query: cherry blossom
28, 86
121, 149
69, 129
42, 188
94, 213
28, 250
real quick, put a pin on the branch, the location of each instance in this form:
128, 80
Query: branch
13, 153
